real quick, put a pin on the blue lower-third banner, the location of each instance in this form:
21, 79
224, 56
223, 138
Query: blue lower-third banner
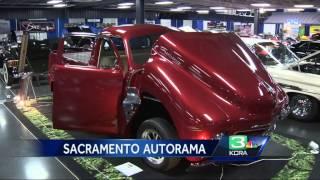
228, 148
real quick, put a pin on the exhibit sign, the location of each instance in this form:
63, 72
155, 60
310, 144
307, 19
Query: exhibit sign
292, 30
37, 25
228, 148
218, 26
314, 29
239, 148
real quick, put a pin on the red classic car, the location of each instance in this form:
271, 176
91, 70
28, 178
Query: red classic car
147, 81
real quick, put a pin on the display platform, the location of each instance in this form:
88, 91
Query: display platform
287, 155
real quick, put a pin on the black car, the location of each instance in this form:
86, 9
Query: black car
36, 61
37, 54
304, 48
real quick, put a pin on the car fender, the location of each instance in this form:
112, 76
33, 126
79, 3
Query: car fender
293, 91
185, 98
297, 82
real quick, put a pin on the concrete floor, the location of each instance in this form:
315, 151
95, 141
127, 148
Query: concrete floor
13, 135
14, 149
12, 144
305, 130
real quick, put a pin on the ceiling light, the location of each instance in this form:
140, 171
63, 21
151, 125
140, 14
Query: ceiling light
124, 7
54, 1
260, 4
126, 4
60, 5
203, 11
184, 7
263, 10
304, 6
294, 10
176, 10
221, 10
270, 9
215, 8
163, 3
243, 10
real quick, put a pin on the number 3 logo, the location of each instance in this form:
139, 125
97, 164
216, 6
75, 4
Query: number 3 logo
237, 142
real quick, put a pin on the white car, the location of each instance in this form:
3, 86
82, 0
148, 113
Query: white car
300, 78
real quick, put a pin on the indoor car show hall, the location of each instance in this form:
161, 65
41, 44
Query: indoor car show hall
113, 71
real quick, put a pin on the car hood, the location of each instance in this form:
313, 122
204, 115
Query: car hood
225, 65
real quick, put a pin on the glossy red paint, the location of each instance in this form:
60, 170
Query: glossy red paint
218, 88
130, 31
74, 102
208, 83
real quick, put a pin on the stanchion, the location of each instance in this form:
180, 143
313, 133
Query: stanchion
24, 92
25, 77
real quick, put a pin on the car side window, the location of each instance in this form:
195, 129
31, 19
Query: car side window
119, 44
107, 57
141, 48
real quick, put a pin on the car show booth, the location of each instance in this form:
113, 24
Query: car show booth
293, 23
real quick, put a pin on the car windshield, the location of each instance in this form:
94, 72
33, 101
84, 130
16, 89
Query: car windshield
79, 29
79, 41
274, 53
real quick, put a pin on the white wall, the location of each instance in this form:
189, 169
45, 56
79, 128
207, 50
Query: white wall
205, 25
187, 23
110, 21
149, 21
269, 29
4, 26
165, 22
77, 20
252, 28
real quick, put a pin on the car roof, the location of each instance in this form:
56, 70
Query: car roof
311, 41
129, 31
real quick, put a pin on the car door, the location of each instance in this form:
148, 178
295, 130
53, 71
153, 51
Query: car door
87, 97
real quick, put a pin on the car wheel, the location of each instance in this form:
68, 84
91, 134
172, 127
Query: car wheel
157, 129
303, 108
6, 75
